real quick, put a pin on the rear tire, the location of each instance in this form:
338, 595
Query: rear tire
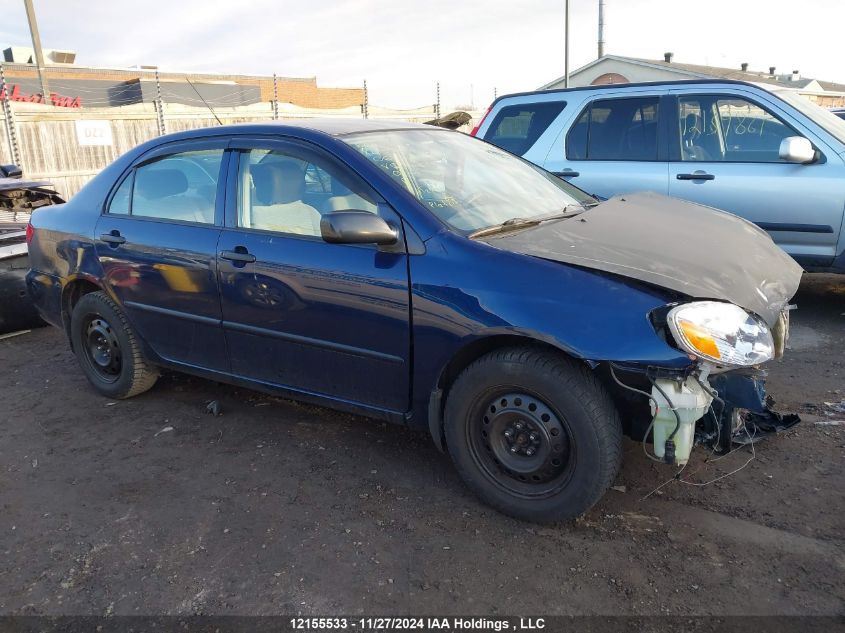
108, 349
533, 434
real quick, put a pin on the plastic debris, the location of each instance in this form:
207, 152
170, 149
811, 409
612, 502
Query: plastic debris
212, 407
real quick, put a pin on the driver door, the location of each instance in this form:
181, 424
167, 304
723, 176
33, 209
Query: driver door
725, 155
331, 320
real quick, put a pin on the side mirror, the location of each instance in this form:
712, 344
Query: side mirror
356, 227
796, 149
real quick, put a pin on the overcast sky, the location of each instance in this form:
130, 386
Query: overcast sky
403, 47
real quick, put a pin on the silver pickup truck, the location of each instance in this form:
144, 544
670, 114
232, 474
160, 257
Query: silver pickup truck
770, 156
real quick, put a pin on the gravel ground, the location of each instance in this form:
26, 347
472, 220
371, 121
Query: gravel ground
151, 506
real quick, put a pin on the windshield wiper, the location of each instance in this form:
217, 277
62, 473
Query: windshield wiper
512, 224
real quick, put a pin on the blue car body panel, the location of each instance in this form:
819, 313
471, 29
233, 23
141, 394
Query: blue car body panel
353, 327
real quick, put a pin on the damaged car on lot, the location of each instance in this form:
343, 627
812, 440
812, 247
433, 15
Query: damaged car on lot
18, 197
427, 278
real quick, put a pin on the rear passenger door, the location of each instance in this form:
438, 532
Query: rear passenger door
157, 245
614, 146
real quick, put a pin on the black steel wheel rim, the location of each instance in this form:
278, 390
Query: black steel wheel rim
102, 348
521, 443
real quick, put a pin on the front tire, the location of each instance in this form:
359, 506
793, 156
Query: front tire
533, 434
108, 349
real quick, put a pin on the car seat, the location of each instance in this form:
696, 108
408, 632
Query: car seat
163, 193
691, 139
279, 188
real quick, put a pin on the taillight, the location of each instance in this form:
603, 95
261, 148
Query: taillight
481, 122
29, 233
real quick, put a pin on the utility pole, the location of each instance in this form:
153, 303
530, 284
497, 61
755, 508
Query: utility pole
601, 29
566, 47
36, 45
365, 107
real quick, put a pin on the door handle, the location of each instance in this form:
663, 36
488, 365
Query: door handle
566, 173
697, 175
239, 255
114, 238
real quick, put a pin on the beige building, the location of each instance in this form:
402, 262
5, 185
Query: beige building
613, 69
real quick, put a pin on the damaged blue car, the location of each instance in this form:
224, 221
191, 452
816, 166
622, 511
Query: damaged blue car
427, 278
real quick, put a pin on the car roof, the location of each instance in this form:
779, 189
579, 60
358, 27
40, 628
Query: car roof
641, 84
328, 126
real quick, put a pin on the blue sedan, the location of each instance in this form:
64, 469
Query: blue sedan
424, 277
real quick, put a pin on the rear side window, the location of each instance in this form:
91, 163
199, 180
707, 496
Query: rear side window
615, 129
119, 204
179, 186
516, 128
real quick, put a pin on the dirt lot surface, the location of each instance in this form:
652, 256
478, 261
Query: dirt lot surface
152, 506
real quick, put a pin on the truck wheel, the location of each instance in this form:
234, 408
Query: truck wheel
533, 434
108, 349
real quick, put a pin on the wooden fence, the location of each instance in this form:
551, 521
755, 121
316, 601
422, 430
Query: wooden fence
48, 147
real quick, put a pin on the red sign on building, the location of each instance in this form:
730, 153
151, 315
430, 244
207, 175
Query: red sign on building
55, 98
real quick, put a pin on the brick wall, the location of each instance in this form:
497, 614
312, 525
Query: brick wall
302, 92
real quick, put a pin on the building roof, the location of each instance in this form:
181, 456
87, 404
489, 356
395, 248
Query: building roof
783, 80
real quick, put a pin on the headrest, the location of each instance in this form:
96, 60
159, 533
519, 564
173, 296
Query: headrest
278, 181
692, 120
160, 183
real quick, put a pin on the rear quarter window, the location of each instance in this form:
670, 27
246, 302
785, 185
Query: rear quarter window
517, 127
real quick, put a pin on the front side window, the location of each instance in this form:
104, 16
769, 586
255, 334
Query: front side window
516, 128
728, 129
288, 192
615, 129
465, 182
179, 186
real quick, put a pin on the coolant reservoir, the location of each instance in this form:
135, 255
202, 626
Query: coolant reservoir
690, 401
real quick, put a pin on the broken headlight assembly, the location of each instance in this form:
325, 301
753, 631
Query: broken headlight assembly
721, 333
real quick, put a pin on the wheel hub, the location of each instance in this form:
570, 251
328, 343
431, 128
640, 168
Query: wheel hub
524, 438
103, 348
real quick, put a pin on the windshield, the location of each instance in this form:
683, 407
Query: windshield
831, 123
467, 183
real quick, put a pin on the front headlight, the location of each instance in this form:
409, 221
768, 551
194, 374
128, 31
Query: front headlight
722, 333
